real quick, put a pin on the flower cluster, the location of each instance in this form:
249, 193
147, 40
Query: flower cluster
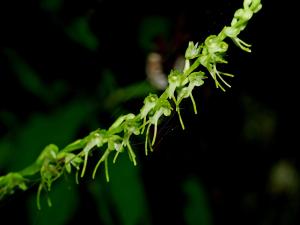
239, 22
9, 182
52, 162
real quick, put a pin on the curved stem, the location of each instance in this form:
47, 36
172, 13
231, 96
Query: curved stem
104, 157
106, 170
194, 103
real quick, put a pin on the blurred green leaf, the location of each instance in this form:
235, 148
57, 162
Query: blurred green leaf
133, 91
59, 127
26, 75
107, 84
80, 32
100, 192
123, 196
127, 193
31, 81
64, 200
260, 121
197, 210
8, 118
151, 28
51, 5
5, 152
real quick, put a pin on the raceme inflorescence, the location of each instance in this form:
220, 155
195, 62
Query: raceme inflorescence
53, 162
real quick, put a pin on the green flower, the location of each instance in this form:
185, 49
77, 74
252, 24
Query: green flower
175, 81
72, 160
193, 51
195, 79
149, 103
232, 33
215, 45
162, 107
253, 5
113, 144
96, 138
9, 182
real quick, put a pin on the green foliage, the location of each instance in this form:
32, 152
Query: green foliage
54, 161
65, 195
260, 123
51, 5
133, 194
9, 182
125, 189
196, 211
80, 32
30, 80
151, 28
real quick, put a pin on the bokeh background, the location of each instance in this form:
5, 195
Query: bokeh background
68, 67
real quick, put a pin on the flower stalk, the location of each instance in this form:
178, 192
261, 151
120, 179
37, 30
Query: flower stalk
52, 162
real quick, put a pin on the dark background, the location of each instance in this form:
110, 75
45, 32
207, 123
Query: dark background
65, 69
